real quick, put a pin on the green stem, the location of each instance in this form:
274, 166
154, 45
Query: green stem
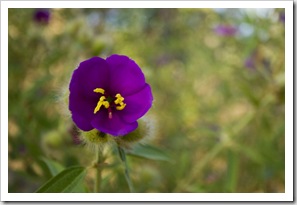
127, 176
99, 161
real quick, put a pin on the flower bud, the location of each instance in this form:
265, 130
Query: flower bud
145, 130
94, 138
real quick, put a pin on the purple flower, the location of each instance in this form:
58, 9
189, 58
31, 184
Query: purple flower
250, 62
282, 17
109, 95
42, 16
22, 149
225, 30
74, 135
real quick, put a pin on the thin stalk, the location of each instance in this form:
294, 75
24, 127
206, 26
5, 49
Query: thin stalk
99, 161
127, 176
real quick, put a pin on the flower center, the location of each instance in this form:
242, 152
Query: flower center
109, 102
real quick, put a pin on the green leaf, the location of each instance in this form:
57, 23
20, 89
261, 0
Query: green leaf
122, 154
232, 171
53, 167
149, 152
80, 188
65, 181
252, 154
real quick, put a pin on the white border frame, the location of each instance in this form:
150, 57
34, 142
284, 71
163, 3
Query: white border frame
287, 196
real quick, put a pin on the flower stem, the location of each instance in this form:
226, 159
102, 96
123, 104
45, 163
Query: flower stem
127, 176
99, 161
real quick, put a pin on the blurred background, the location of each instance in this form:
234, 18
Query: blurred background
218, 80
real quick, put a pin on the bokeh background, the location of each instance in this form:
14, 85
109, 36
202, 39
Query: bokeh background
218, 82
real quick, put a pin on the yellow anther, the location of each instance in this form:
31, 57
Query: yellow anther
119, 99
97, 108
102, 101
119, 102
105, 104
119, 96
99, 90
121, 106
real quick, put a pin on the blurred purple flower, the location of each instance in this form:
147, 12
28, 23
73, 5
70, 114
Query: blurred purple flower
267, 65
225, 30
282, 17
22, 149
74, 135
250, 62
109, 95
42, 16
256, 60
163, 59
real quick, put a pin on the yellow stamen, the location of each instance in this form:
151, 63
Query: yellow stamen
105, 104
121, 107
99, 90
102, 101
119, 101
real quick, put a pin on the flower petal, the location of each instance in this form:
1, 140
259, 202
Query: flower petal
137, 104
114, 126
90, 74
82, 111
82, 122
126, 76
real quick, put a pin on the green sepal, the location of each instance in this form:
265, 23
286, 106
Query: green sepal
136, 136
96, 137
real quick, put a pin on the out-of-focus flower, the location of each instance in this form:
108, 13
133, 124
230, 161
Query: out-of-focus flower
163, 59
74, 135
253, 60
282, 16
257, 60
225, 30
42, 16
250, 62
109, 95
22, 149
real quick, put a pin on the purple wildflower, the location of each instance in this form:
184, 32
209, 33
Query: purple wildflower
74, 135
250, 62
22, 149
109, 95
42, 16
225, 30
282, 17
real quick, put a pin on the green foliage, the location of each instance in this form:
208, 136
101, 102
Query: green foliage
221, 123
53, 167
122, 155
149, 152
69, 180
